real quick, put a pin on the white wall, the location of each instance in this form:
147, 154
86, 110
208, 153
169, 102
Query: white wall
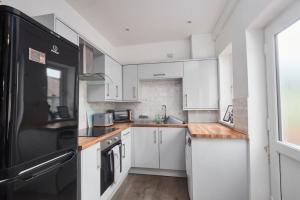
65, 12
153, 52
202, 46
249, 67
197, 46
225, 80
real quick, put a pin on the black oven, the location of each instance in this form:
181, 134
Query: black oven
108, 161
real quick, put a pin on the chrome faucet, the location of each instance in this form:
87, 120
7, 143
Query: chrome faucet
164, 109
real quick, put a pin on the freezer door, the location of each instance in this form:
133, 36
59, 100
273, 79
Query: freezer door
55, 179
42, 92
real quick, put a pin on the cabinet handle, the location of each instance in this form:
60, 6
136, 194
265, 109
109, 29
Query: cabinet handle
154, 134
98, 158
107, 94
117, 91
159, 74
186, 99
161, 138
124, 151
133, 94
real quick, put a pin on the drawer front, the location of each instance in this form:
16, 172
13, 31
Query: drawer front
160, 71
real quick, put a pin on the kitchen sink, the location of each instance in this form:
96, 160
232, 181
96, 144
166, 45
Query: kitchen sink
173, 120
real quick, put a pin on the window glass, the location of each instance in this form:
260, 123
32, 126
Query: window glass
288, 80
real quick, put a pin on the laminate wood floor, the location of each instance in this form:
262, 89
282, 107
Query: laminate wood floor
145, 187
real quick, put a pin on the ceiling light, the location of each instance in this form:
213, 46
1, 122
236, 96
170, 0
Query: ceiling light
189, 22
127, 29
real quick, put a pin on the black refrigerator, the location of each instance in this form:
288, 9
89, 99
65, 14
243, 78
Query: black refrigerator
38, 111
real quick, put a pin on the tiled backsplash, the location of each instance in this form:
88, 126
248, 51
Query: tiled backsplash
153, 94
240, 114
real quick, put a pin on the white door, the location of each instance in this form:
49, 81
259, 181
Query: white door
188, 161
130, 83
126, 151
283, 78
200, 85
160, 71
172, 148
90, 172
146, 153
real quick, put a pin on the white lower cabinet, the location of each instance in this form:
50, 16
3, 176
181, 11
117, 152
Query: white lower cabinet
159, 148
90, 172
146, 153
216, 168
126, 151
171, 148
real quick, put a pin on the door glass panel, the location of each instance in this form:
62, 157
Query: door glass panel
288, 80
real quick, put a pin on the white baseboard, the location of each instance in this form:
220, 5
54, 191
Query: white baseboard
158, 172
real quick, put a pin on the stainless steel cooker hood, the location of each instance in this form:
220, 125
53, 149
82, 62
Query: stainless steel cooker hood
95, 77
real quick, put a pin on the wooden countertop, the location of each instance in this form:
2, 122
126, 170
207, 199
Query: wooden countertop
198, 130
214, 130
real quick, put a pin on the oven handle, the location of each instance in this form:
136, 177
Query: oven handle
111, 160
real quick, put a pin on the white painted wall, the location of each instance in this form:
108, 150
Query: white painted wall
202, 46
65, 12
197, 46
153, 52
249, 67
257, 117
225, 80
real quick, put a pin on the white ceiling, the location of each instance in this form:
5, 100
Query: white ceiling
149, 20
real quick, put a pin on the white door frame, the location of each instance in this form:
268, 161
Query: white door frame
277, 148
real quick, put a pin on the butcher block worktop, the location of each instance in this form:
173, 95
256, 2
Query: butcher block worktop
214, 130
197, 130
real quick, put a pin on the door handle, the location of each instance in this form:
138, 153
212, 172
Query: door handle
98, 158
133, 94
159, 74
186, 99
124, 154
107, 94
154, 134
117, 91
161, 138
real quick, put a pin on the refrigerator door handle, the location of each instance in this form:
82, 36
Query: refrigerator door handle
72, 154
40, 173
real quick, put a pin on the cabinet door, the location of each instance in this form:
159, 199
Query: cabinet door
65, 31
114, 85
172, 148
200, 85
90, 172
126, 153
188, 161
146, 153
130, 83
161, 71
119, 82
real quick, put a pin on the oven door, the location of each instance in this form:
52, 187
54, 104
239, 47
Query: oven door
107, 169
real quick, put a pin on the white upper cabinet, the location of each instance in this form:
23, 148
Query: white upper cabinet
130, 83
111, 89
172, 148
145, 143
59, 27
160, 71
200, 85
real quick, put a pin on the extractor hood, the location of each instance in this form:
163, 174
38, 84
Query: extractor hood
95, 77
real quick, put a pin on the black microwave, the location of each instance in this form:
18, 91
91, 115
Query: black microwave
121, 115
